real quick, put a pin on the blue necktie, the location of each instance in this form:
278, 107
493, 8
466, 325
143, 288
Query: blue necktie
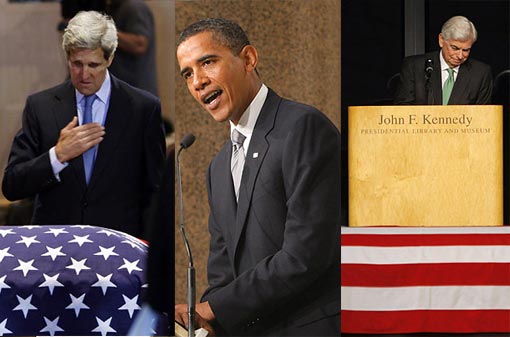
90, 154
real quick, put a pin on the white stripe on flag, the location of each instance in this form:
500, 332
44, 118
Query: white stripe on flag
426, 298
427, 254
425, 230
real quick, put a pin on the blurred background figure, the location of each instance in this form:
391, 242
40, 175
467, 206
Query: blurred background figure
157, 311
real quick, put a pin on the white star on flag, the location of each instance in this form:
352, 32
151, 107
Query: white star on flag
103, 326
106, 252
81, 226
67, 280
3, 285
130, 266
80, 240
3, 329
51, 326
51, 282
104, 283
25, 305
5, 232
4, 253
130, 305
28, 240
25, 266
78, 266
107, 232
77, 304
56, 231
32, 226
53, 252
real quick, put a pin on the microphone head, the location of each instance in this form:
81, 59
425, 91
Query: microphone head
429, 66
187, 140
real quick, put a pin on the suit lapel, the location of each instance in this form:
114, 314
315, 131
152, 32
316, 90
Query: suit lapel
436, 81
117, 117
225, 199
461, 83
254, 158
64, 110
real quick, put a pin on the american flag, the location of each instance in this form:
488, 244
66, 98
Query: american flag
407, 280
69, 280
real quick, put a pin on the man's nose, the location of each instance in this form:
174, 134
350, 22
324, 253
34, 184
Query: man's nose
200, 80
85, 72
462, 54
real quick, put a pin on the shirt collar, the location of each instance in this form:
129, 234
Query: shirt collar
444, 65
103, 93
248, 119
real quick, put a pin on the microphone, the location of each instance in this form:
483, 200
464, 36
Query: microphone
186, 142
429, 67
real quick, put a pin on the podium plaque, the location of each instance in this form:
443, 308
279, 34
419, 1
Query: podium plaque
425, 165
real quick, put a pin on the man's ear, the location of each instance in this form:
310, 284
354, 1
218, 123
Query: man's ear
440, 40
250, 57
110, 60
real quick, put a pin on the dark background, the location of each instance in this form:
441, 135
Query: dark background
373, 46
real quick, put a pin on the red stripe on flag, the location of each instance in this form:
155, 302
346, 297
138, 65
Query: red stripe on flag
445, 321
427, 274
391, 240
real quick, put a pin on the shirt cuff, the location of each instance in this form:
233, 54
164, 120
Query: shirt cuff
55, 164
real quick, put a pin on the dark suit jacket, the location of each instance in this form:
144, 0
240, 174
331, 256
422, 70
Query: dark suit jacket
127, 168
472, 86
274, 258
160, 266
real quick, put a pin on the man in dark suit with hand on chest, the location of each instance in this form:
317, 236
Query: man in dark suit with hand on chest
90, 150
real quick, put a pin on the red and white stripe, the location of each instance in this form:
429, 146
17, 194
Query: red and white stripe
405, 280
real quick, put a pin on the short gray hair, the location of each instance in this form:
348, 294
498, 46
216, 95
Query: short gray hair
459, 28
91, 30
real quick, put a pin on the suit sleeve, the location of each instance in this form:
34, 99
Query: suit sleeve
154, 142
310, 165
219, 271
28, 170
405, 93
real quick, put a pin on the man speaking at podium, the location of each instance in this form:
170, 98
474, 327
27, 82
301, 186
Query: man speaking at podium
448, 76
274, 196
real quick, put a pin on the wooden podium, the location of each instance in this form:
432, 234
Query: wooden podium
425, 165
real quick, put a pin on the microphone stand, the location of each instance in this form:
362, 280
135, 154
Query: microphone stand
191, 290
430, 90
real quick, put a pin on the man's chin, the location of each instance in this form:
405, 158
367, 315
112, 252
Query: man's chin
218, 116
85, 91
457, 63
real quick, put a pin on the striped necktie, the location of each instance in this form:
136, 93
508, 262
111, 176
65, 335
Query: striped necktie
237, 162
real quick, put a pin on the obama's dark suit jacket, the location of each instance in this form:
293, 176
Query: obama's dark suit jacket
274, 257
472, 86
127, 169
